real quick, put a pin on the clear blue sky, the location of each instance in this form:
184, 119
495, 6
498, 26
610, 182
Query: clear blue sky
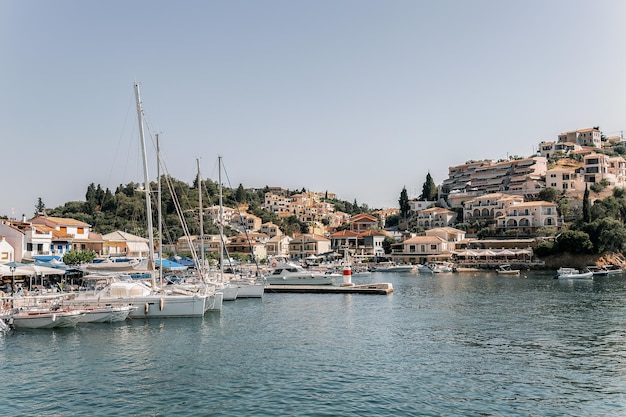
357, 97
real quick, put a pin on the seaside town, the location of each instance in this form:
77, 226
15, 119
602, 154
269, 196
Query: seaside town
505, 216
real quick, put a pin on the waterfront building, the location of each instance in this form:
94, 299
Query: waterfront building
121, 243
420, 249
7, 252
278, 245
247, 245
308, 244
525, 218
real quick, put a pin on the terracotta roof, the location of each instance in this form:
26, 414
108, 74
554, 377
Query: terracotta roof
344, 233
60, 221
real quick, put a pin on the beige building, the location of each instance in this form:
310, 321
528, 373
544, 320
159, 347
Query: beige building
488, 207
308, 244
528, 217
475, 178
420, 249
591, 137
435, 217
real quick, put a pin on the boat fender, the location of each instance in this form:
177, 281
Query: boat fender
54, 317
161, 303
146, 308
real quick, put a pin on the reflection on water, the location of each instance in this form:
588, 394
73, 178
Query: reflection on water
449, 344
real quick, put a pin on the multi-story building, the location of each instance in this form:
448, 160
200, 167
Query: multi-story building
271, 229
488, 207
599, 167
514, 176
246, 221
420, 249
435, 217
278, 245
306, 245
527, 217
550, 149
591, 137
364, 222
566, 178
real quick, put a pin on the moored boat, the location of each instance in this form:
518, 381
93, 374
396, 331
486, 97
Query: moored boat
573, 273
45, 318
505, 269
287, 273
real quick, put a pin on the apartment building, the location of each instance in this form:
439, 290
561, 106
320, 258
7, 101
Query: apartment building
488, 207
550, 149
527, 217
566, 178
591, 137
475, 178
434, 217
599, 167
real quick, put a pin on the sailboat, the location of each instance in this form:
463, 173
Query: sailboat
246, 287
229, 292
150, 301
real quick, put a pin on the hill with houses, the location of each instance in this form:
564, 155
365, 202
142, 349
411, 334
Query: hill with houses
515, 210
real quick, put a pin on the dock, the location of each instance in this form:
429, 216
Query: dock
379, 288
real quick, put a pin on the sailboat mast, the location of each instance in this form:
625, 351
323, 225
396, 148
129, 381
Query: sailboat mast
220, 218
201, 215
159, 212
146, 186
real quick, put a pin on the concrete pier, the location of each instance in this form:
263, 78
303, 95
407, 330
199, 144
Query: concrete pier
379, 288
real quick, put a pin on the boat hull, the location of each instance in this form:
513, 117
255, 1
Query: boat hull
46, 320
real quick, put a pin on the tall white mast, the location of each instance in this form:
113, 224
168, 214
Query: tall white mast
201, 215
159, 212
146, 186
220, 218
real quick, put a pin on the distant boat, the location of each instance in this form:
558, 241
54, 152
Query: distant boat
436, 267
605, 270
505, 269
287, 273
394, 268
573, 273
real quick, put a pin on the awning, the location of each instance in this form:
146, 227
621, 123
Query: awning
137, 247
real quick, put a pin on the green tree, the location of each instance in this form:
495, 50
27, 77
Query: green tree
586, 206
429, 189
573, 241
405, 207
40, 207
74, 257
548, 194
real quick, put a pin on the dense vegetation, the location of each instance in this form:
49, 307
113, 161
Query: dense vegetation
125, 209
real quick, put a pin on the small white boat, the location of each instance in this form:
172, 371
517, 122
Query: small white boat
505, 269
287, 273
435, 267
45, 319
105, 314
573, 273
394, 268
605, 270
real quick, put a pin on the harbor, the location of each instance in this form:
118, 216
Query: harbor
443, 344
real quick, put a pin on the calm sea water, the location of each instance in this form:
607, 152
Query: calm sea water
443, 345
